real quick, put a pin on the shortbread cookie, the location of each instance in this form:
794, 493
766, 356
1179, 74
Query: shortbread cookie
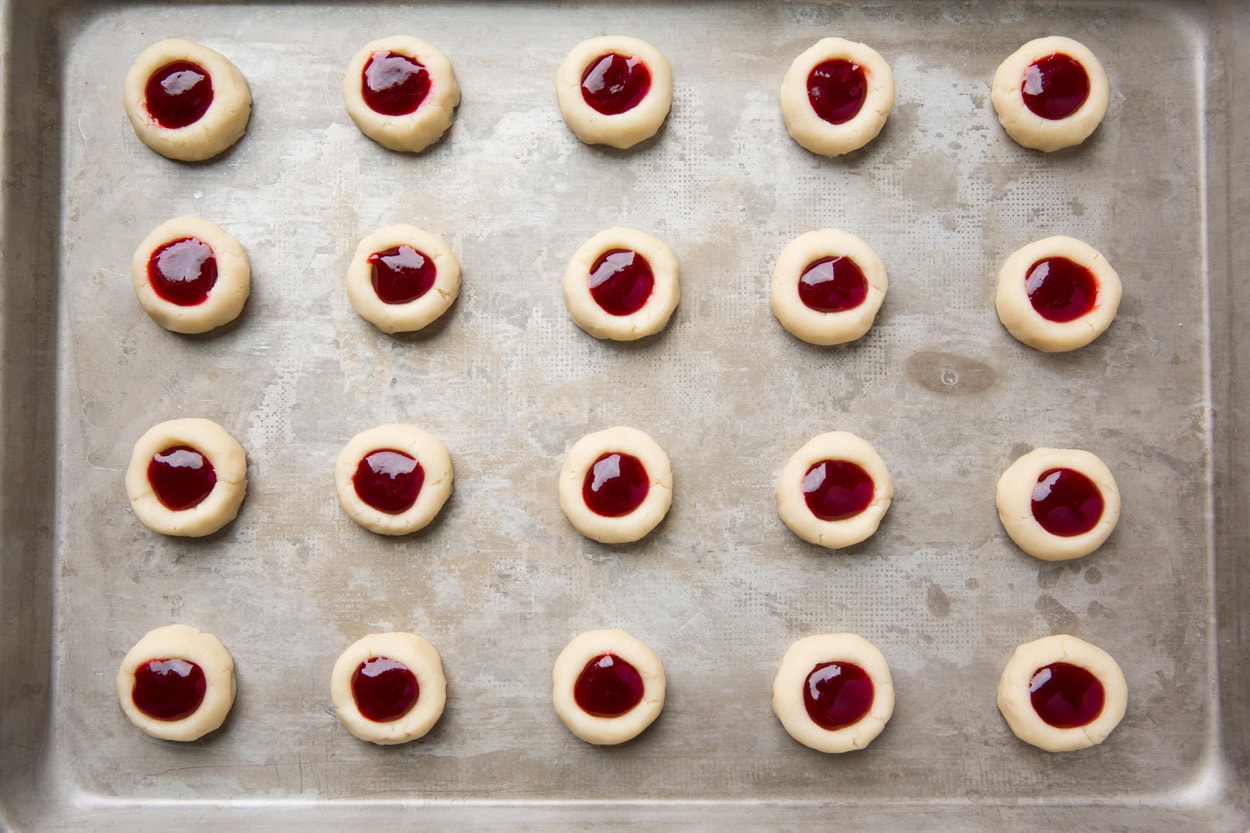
1058, 504
622, 284
836, 96
834, 491
191, 276
827, 287
1050, 94
614, 90
607, 686
393, 479
177, 683
389, 688
616, 485
402, 278
401, 92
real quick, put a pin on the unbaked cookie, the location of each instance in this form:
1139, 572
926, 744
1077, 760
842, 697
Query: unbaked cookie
1058, 504
186, 477
616, 485
607, 686
614, 90
191, 276
177, 683
389, 688
393, 479
833, 692
1050, 94
834, 491
186, 101
401, 92
402, 278
836, 96
1061, 693
827, 287
622, 284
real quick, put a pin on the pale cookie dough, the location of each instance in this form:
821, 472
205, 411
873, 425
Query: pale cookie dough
1015, 702
419, 657
813, 326
185, 643
808, 128
1031, 130
792, 505
425, 448
620, 130
419, 312
411, 132
578, 463
797, 665
217, 509
655, 312
1014, 497
568, 667
1027, 325
222, 124
225, 300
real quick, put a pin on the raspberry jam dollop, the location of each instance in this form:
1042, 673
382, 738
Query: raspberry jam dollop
1066, 502
178, 94
616, 485
384, 689
837, 694
388, 480
183, 271
836, 89
608, 687
833, 284
621, 281
401, 274
168, 689
1066, 695
181, 477
613, 83
394, 84
1060, 289
1055, 86
837, 489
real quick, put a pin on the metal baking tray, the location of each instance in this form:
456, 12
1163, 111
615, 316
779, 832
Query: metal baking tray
502, 581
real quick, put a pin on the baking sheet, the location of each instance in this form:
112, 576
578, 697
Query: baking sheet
501, 581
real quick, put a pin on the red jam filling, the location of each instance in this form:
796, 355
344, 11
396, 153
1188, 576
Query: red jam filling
389, 480
1066, 696
836, 89
833, 284
181, 477
168, 689
616, 485
837, 694
178, 94
608, 687
402, 274
384, 690
1055, 86
1066, 502
1061, 290
837, 489
394, 84
613, 83
621, 281
183, 271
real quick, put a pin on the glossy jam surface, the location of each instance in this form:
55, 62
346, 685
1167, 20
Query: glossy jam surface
836, 89
384, 690
394, 84
183, 271
388, 480
1055, 86
168, 689
178, 94
616, 485
621, 281
401, 274
1066, 695
1061, 290
837, 694
181, 477
608, 687
1066, 502
833, 284
613, 83
837, 489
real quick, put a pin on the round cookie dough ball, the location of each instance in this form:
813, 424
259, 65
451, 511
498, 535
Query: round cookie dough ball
622, 284
616, 485
827, 287
614, 91
607, 686
1058, 504
389, 688
836, 96
187, 477
834, 491
402, 278
401, 92
186, 101
190, 276
1061, 693
1050, 94
393, 479
1057, 294
177, 683
833, 692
